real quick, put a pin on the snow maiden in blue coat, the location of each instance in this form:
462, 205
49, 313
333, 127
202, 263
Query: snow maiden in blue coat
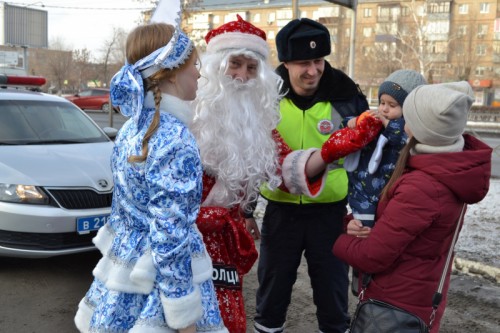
155, 274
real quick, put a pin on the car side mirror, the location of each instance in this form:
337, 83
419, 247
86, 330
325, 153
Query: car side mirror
110, 132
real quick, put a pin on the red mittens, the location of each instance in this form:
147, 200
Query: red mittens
348, 140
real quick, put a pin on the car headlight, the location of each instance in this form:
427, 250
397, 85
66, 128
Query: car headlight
26, 194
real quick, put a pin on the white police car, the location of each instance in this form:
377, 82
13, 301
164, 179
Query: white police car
55, 173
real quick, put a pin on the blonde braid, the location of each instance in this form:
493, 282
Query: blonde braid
153, 127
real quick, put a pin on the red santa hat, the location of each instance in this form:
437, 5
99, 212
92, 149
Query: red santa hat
238, 34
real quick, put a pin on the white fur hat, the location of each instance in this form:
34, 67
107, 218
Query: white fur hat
238, 34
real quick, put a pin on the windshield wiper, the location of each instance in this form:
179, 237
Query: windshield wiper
52, 142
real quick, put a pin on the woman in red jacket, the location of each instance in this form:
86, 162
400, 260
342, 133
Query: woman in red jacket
406, 250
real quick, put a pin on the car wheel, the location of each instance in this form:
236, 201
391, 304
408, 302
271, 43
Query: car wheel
105, 107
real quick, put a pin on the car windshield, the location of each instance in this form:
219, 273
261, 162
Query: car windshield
24, 122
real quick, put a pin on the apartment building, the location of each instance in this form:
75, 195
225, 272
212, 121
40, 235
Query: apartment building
446, 40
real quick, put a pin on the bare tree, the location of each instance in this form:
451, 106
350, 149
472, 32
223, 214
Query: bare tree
113, 53
82, 68
410, 35
463, 47
60, 64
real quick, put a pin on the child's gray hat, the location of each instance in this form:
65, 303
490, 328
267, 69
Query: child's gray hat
400, 83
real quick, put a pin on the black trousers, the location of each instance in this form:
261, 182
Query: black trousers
288, 232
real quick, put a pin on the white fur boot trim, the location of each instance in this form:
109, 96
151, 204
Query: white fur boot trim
184, 311
83, 316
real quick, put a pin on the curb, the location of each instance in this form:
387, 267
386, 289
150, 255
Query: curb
475, 268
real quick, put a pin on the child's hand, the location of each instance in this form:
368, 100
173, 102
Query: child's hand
379, 115
352, 123
356, 228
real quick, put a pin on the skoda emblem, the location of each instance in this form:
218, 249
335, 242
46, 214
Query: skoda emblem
312, 44
325, 126
102, 183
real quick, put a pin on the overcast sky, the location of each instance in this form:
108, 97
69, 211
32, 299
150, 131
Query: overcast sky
86, 23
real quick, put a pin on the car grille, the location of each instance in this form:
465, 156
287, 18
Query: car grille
79, 199
42, 241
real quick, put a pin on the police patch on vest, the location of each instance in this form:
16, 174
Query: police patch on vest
325, 126
225, 276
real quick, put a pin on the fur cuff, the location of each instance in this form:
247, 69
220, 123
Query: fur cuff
184, 311
202, 268
294, 175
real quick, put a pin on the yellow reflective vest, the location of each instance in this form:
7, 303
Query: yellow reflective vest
310, 129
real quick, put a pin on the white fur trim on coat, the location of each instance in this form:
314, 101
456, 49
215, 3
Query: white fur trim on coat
83, 316
294, 173
104, 238
184, 311
138, 279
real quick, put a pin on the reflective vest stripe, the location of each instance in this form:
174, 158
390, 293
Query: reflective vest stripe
300, 130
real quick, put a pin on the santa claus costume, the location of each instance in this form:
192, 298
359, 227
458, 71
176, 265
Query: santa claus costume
233, 125
241, 151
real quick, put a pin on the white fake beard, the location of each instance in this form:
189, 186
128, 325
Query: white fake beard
233, 128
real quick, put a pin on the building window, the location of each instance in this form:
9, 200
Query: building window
439, 47
484, 8
270, 34
367, 12
438, 27
463, 8
367, 50
439, 7
216, 19
256, 18
496, 47
480, 71
405, 11
462, 30
367, 32
482, 30
481, 50
285, 14
271, 17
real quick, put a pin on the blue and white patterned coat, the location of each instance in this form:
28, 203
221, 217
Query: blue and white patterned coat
155, 273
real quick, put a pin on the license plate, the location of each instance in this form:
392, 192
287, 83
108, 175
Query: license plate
84, 225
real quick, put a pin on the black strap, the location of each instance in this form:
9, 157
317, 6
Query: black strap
438, 295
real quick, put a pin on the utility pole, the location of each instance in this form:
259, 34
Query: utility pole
295, 9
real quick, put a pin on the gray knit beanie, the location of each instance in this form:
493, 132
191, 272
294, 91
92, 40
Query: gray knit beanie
400, 83
437, 113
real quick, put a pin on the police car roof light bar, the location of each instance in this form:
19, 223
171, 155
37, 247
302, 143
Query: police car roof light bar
14, 80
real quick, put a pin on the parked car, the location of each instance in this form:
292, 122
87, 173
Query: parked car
92, 99
55, 175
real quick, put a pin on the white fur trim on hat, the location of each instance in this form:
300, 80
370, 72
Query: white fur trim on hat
238, 40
